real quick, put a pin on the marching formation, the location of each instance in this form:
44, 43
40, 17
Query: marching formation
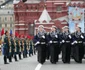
48, 45
16, 47
51, 45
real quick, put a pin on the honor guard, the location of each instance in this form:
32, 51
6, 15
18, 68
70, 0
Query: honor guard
66, 45
13, 48
53, 40
6, 47
30, 47
10, 50
78, 49
40, 43
25, 48
0, 45
22, 46
18, 47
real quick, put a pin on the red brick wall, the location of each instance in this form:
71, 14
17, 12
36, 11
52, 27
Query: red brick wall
28, 13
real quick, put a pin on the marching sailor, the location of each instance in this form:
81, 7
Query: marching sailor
40, 43
53, 40
78, 48
66, 45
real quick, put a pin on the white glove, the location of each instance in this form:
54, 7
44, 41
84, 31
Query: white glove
72, 43
63, 41
37, 43
70, 36
56, 36
43, 36
75, 42
82, 36
50, 42
60, 42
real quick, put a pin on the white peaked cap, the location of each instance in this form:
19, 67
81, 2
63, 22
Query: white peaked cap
66, 27
45, 16
40, 26
54, 26
78, 26
63, 27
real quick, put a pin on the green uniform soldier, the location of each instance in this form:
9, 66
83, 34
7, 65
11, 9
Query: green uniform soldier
6, 48
13, 48
18, 48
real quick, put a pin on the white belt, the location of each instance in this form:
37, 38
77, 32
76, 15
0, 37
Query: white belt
79, 41
55, 41
42, 43
67, 41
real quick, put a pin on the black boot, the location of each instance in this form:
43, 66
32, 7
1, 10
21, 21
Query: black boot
15, 57
5, 60
10, 59
20, 56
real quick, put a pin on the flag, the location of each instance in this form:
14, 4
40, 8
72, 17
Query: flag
2, 32
10, 32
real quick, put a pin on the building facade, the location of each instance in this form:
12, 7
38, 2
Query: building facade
7, 17
26, 13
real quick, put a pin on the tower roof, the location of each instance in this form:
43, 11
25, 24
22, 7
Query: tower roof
45, 16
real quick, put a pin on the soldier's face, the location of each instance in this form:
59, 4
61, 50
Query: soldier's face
41, 28
77, 29
66, 29
7, 33
53, 29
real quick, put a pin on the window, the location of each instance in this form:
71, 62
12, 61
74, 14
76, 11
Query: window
5, 19
10, 18
0, 25
5, 25
59, 8
10, 25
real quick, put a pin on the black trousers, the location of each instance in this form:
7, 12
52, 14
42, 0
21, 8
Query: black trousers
78, 52
6, 55
41, 53
66, 52
48, 51
54, 53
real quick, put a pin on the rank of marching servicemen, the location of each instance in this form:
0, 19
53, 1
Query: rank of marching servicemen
16, 47
50, 45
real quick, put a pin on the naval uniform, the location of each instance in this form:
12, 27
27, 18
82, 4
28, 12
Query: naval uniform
53, 40
78, 48
40, 43
66, 47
